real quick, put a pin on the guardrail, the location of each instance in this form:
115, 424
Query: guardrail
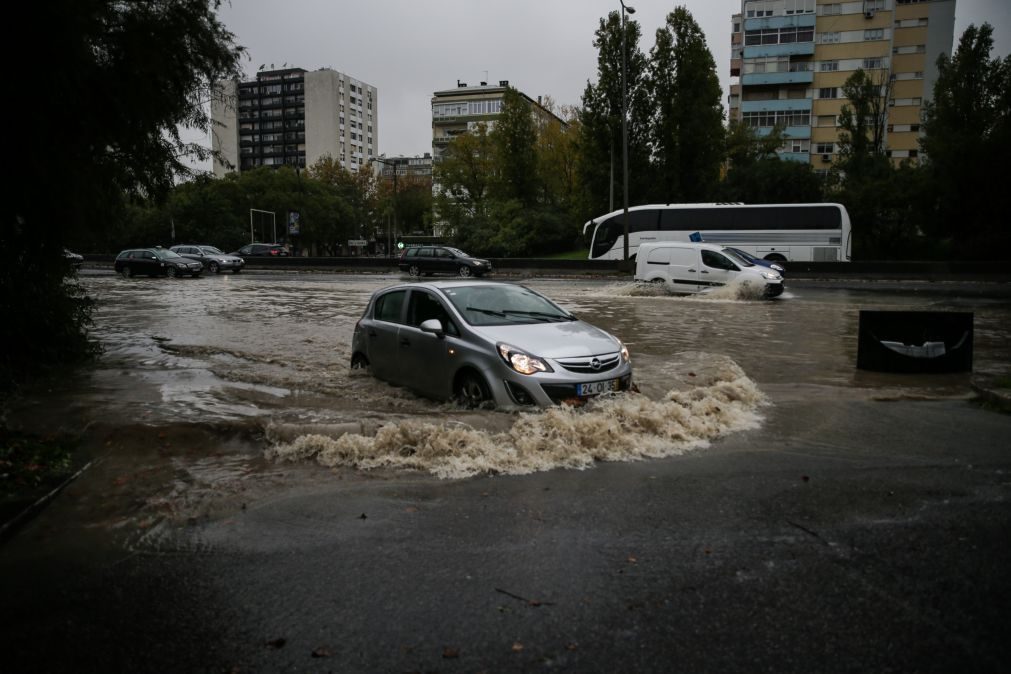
870, 270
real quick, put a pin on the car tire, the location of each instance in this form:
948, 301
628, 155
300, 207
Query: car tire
196, 274
471, 390
171, 272
213, 268
414, 270
127, 272
464, 271
359, 362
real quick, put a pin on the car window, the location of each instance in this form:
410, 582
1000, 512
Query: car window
412, 252
211, 250
457, 252
166, 254
148, 255
503, 305
443, 253
423, 306
426, 252
740, 257
388, 306
658, 256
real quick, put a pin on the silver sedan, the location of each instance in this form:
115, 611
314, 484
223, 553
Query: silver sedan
483, 342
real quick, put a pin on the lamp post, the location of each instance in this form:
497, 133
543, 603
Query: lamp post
625, 9
389, 241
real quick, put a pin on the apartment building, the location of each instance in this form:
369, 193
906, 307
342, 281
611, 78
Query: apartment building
791, 58
293, 117
456, 111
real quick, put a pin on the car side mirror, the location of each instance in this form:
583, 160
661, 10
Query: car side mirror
434, 326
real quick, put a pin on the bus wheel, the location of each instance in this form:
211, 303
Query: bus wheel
775, 257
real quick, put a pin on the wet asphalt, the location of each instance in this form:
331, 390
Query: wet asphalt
851, 532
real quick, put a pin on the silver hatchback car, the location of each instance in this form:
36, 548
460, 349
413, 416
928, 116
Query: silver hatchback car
486, 342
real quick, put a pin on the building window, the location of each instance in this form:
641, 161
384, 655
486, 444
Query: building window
826, 120
828, 92
828, 38
874, 34
872, 63
824, 148
831, 10
829, 66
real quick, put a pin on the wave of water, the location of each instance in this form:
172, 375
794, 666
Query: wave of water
624, 427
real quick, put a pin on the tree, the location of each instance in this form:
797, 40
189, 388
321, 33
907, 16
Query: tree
514, 137
111, 108
686, 131
600, 164
967, 138
862, 122
463, 180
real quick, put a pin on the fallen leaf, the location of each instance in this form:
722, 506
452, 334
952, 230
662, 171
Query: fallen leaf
448, 652
321, 653
571, 646
517, 647
631, 559
410, 509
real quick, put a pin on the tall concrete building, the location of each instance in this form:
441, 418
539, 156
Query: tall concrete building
790, 59
456, 111
294, 117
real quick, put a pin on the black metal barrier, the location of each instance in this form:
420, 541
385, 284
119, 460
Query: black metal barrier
915, 341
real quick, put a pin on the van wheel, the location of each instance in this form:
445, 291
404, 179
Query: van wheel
414, 271
471, 390
359, 362
775, 257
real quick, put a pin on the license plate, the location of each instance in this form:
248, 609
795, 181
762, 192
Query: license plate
597, 387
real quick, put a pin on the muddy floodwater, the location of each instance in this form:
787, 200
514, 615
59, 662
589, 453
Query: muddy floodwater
271, 352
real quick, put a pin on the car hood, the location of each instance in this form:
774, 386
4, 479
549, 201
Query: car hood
571, 339
226, 257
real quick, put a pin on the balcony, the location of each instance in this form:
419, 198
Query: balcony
787, 49
794, 77
802, 157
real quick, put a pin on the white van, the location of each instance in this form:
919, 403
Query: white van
700, 267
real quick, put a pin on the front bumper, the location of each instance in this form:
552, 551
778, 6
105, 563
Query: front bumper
552, 388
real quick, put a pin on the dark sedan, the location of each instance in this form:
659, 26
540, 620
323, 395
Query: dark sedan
261, 250
155, 262
430, 260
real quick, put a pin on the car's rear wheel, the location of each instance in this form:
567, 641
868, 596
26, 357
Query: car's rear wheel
127, 272
471, 390
213, 268
359, 361
171, 272
464, 271
414, 270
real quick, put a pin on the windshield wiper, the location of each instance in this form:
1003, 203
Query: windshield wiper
490, 312
540, 314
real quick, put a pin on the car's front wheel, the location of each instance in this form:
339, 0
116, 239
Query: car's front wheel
359, 361
171, 272
213, 268
464, 271
471, 390
414, 270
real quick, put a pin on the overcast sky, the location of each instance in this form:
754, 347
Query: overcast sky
410, 48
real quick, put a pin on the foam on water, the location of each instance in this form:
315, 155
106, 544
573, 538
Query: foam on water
624, 427
736, 291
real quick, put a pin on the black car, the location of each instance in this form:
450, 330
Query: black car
261, 250
155, 262
429, 260
212, 258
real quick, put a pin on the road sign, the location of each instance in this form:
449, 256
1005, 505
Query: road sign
357, 242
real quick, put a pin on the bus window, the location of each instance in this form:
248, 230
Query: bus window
607, 233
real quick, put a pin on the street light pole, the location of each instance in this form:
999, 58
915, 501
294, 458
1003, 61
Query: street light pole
625, 9
393, 167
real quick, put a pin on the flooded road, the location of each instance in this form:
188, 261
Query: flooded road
811, 518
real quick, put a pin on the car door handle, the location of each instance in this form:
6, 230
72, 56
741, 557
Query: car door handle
691, 270
704, 271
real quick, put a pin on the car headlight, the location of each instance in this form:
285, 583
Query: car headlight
522, 362
182, 265
625, 357
771, 275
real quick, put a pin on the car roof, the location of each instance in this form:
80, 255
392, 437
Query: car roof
443, 285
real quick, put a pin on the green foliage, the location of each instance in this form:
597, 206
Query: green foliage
111, 111
687, 131
28, 462
862, 120
967, 140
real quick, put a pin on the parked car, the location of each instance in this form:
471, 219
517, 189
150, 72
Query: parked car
261, 250
73, 258
430, 260
155, 262
212, 259
486, 343
688, 268
757, 260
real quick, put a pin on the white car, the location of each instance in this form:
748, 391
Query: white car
688, 268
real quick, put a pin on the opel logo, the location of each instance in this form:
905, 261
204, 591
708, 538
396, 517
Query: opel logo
595, 363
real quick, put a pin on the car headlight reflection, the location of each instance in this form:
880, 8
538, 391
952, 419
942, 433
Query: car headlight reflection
625, 357
522, 362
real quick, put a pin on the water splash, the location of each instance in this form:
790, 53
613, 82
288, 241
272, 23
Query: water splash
744, 290
625, 427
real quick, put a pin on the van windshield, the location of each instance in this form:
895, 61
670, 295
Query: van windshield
737, 257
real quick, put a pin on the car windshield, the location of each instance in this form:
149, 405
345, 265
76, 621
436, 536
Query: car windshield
504, 305
165, 254
457, 252
738, 256
211, 250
